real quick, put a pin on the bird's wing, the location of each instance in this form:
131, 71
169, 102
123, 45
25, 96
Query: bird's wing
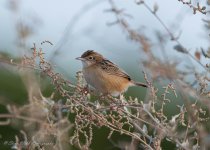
113, 69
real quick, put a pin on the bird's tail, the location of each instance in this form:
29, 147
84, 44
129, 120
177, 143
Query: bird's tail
140, 84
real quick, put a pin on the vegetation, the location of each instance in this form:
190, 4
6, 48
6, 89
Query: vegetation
41, 109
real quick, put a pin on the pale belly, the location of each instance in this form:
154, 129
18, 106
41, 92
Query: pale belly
106, 83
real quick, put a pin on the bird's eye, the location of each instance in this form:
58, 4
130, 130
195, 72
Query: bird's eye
90, 58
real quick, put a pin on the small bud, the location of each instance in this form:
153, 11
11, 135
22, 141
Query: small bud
203, 8
155, 8
197, 55
139, 2
180, 48
194, 11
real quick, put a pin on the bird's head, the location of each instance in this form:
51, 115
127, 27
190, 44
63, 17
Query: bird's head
90, 57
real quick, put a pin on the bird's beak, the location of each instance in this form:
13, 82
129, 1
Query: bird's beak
80, 58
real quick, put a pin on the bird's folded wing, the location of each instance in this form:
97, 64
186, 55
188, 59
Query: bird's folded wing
113, 69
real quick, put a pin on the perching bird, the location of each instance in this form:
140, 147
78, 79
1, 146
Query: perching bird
105, 76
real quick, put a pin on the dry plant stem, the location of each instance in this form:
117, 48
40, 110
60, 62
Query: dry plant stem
10, 62
3, 123
186, 132
171, 34
11, 116
136, 37
78, 101
156, 125
116, 115
111, 126
189, 111
95, 112
127, 113
195, 9
141, 130
89, 110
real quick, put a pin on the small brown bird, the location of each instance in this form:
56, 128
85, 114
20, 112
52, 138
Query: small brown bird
105, 76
